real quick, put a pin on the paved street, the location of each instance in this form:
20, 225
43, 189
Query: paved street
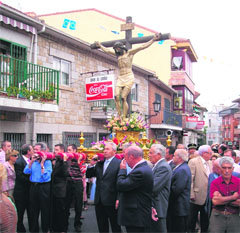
89, 221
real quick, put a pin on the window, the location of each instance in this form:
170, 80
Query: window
188, 101
167, 104
16, 139
134, 92
210, 123
47, 138
178, 100
73, 138
157, 97
13, 49
177, 63
64, 68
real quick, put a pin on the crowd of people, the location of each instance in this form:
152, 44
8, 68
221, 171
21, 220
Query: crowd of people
178, 189
41, 186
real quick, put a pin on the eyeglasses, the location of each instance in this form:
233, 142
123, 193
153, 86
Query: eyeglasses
14, 155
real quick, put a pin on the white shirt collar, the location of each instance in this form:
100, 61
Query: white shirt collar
169, 161
109, 160
141, 161
26, 159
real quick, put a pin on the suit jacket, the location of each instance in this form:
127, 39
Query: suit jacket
135, 199
22, 182
59, 179
179, 200
162, 174
106, 184
199, 180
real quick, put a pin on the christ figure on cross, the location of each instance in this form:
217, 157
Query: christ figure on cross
125, 80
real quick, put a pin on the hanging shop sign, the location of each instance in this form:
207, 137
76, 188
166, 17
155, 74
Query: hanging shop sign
100, 87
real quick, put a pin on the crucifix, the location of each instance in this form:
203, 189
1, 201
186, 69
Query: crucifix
124, 52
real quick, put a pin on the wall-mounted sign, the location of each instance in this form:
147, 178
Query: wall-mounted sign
191, 119
200, 124
100, 87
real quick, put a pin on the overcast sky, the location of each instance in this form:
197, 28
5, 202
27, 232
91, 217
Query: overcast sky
211, 25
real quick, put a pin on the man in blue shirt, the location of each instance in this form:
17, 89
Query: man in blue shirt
40, 171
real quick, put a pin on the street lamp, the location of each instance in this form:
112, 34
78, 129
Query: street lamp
156, 108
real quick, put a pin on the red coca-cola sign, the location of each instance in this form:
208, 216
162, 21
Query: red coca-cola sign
100, 88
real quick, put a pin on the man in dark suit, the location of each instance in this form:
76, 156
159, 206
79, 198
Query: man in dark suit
135, 199
162, 174
59, 213
179, 200
106, 191
169, 155
22, 187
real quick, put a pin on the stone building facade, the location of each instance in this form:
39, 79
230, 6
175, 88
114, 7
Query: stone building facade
30, 121
74, 115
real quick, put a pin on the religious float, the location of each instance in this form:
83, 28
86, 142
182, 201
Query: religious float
128, 130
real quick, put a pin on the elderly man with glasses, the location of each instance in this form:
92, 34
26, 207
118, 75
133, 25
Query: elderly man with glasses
200, 167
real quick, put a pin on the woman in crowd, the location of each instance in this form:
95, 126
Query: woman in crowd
8, 214
8, 185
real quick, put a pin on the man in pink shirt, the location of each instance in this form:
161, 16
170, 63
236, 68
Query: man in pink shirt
6, 145
224, 192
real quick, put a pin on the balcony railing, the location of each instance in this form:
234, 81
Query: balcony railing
171, 118
102, 109
104, 104
22, 79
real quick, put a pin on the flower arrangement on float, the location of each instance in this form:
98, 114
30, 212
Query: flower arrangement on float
135, 123
100, 145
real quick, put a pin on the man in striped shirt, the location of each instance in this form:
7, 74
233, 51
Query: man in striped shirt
75, 187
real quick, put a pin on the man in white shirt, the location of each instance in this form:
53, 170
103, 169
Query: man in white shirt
6, 145
106, 194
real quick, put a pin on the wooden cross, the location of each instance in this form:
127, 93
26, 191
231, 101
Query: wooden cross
129, 41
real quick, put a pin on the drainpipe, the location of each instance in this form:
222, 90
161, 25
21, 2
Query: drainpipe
35, 62
36, 44
31, 50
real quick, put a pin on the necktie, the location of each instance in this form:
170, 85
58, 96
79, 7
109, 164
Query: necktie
106, 162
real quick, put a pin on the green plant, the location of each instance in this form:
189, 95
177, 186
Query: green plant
49, 93
12, 91
25, 93
36, 94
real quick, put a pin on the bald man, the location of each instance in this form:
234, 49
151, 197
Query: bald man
135, 189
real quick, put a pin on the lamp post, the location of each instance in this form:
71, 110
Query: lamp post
156, 108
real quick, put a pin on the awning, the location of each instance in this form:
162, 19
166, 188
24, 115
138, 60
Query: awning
165, 126
17, 24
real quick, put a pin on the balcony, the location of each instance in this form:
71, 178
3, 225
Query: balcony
26, 87
237, 131
171, 118
237, 115
102, 109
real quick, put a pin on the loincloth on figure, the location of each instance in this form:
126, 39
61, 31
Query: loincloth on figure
126, 80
